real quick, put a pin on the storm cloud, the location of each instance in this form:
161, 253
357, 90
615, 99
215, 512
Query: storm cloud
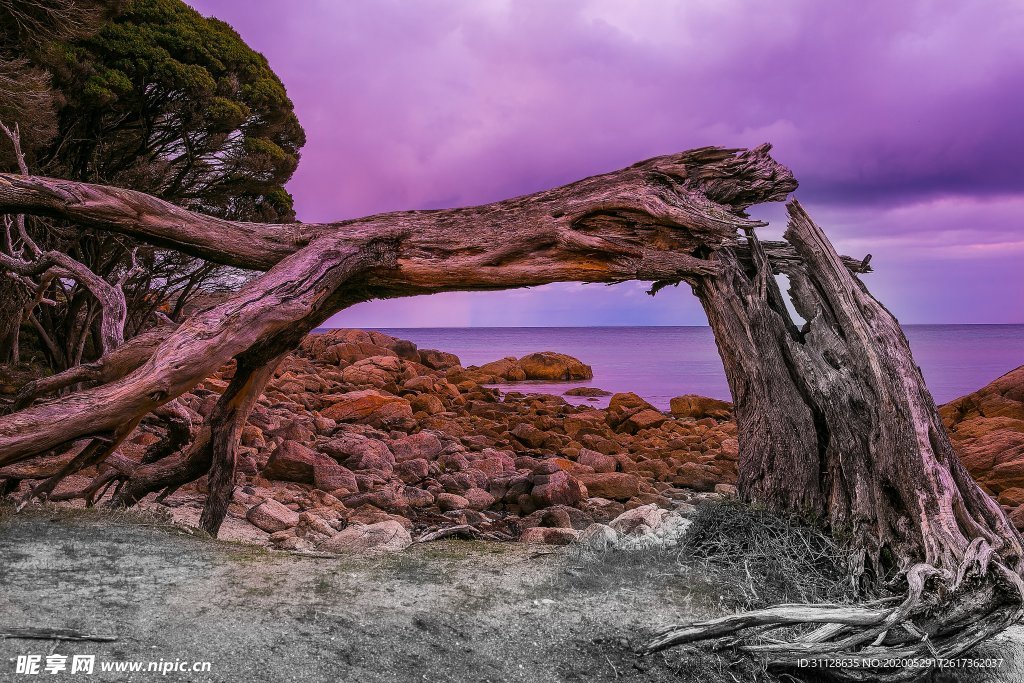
902, 120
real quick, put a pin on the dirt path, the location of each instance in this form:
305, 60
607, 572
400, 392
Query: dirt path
447, 611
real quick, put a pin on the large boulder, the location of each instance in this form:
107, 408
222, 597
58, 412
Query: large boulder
272, 516
384, 536
557, 488
478, 499
379, 372
346, 354
639, 519
987, 429
426, 403
504, 370
698, 407
548, 365
696, 476
419, 446
451, 501
494, 463
438, 360
588, 422
348, 346
359, 452
370, 407
292, 461
599, 462
528, 435
642, 419
611, 485
413, 471
624, 405
330, 476
390, 498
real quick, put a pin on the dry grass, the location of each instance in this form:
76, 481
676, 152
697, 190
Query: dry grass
768, 557
734, 557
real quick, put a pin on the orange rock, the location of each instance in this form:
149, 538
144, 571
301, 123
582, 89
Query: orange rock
272, 516
643, 419
622, 406
1012, 497
987, 429
551, 366
598, 461
423, 445
697, 407
612, 485
369, 407
558, 488
438, 360
427, 403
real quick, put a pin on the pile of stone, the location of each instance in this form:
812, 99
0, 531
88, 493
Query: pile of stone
360, 434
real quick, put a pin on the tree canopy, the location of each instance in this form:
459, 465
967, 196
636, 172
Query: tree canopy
165, 100
27, 30
146, 94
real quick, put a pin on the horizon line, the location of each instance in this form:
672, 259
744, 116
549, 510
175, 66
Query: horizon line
590, 327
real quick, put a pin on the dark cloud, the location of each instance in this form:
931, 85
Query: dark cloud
899, 118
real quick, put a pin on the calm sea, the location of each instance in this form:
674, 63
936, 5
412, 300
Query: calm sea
661, 362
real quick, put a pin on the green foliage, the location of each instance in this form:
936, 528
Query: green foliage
31, 30
164, 100
146, 94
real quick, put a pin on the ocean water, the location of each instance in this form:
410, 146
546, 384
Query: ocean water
661, 362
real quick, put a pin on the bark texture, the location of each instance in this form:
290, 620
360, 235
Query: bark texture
834, 417
652, 221
835, 421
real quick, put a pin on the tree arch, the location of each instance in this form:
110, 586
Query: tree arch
834, 418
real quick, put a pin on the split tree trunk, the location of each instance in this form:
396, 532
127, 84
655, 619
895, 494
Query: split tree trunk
835, 422
834, 418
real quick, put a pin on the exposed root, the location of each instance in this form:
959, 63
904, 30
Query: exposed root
110, 475
942, 616
95, 452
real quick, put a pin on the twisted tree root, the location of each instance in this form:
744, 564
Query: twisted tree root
942, 616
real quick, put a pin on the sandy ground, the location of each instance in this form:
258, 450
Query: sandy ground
446, 611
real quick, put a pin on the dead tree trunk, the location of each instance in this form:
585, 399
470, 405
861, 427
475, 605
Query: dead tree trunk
645, 222
834, 418
113, 365
835, 421
226, 424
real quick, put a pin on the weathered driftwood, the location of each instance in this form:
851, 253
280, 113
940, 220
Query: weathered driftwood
644, 222
111, 366
834, 418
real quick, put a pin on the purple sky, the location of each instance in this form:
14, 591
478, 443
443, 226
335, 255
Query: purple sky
903, 121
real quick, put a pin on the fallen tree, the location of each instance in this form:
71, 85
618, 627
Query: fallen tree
834, 418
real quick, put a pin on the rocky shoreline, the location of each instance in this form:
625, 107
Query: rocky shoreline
364, 441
